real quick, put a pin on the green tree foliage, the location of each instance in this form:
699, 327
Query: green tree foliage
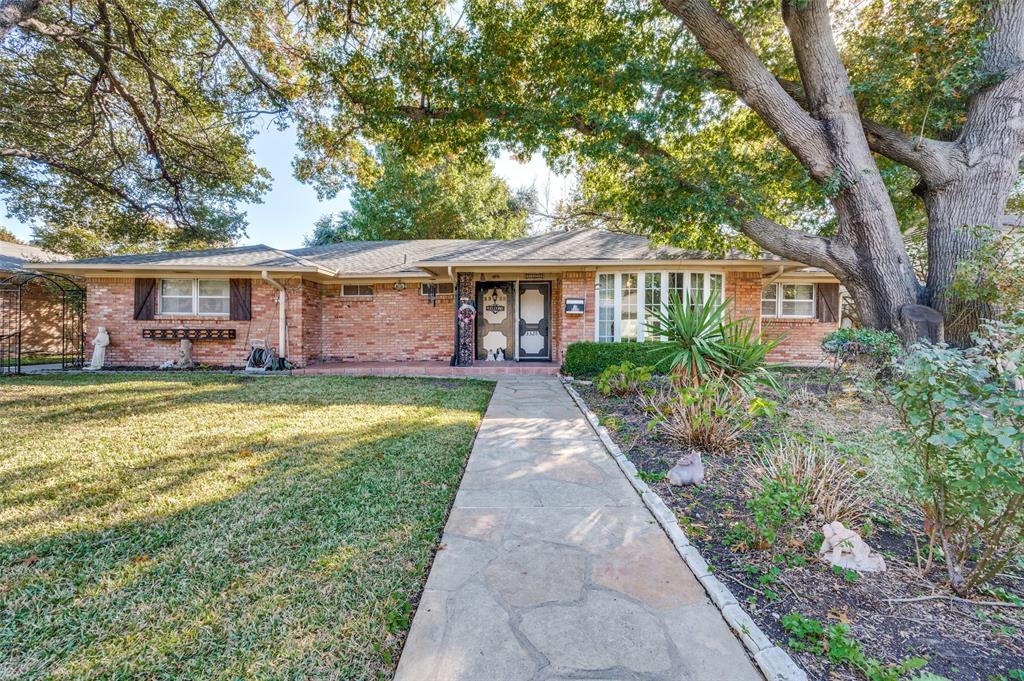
668, 141
8, 235
407, 198
126, 125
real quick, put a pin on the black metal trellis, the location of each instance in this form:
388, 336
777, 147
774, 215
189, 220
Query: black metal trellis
12, 318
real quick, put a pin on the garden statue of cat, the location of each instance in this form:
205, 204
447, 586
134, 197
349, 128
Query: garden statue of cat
689, 470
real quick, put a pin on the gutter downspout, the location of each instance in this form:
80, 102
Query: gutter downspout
772, 278
282, 336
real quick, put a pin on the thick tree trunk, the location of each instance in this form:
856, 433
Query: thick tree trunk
954, 214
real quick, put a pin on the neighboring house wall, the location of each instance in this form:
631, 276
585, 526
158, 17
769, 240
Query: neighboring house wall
110, 304
40, 320
389, 326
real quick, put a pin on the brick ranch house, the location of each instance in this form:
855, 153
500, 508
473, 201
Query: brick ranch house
392, 301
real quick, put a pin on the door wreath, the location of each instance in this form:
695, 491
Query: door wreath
467, 313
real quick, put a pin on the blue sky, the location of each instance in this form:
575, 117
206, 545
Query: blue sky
290, 207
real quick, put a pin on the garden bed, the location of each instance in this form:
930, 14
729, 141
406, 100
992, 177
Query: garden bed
960, 640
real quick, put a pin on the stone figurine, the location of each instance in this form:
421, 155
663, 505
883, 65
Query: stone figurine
845, 548
184, 360
689, 470
99, 349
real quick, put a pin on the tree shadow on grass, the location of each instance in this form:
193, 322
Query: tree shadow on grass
306, 569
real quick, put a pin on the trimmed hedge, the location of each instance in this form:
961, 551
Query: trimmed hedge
587, 359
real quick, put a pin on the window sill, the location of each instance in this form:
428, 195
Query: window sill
191, 318
789, 320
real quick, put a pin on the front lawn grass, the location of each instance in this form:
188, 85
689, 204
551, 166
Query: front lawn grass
205, 526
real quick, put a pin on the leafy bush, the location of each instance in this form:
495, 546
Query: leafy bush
710, 416
624, 379
586, 359
961, 449
702, 344
778, 506
846, 342
837, 642
834, 487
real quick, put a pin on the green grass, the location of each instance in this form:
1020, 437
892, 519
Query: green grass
227, 527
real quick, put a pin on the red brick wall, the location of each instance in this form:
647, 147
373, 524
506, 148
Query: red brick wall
110, 303
802, 342
577, 327
40, 319
390, 326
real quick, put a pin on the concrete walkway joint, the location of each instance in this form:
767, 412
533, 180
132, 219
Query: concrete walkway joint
552, 566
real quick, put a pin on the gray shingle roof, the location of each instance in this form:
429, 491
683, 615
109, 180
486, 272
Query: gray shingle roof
380, 257
383, 258
257, 256
14, 256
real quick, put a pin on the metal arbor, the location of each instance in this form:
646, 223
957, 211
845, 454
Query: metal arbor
14, 316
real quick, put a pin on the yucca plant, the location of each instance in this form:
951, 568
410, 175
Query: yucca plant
701, 343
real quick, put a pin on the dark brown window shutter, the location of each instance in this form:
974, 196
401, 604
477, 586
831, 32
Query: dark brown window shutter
145, 298
828, 302
241, 299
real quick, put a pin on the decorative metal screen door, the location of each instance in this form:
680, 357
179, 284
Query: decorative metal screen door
534, 320
495, 321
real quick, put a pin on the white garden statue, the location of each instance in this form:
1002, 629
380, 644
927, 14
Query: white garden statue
99, 349
845, 548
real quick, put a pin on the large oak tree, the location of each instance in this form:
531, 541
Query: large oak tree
822, 132
125, 124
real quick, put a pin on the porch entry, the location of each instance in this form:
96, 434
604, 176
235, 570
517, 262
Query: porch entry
513, 321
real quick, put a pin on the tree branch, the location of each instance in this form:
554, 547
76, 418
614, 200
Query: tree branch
759, 89
932, 159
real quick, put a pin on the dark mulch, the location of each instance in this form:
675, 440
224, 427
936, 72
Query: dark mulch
960, 640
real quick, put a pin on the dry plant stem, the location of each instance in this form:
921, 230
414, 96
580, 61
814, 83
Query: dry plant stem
947, 597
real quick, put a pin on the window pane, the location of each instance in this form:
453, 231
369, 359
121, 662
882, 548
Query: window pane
213, 287
213, 306
176, 305
696, 288
652, 295
768, 308
177, 287
798, 291
629, 307
769, 292
797, 308
357, 290
717, 288
606, 308
676, 285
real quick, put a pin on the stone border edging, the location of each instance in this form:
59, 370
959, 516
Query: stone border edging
774, 662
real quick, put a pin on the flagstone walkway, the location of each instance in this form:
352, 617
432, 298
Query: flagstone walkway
551, 567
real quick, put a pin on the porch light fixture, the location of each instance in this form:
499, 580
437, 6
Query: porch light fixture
399, 285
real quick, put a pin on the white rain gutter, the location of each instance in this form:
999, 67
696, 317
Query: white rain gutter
282, 301
765, 281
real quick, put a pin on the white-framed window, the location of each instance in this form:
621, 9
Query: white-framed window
356, 290
789, 300
203, 297
440, 289
626, 300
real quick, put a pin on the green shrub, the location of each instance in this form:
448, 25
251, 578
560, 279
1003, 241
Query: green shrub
702, 343
961, 449
880, 344
778, 506
587, 359
837, 642
624, 379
